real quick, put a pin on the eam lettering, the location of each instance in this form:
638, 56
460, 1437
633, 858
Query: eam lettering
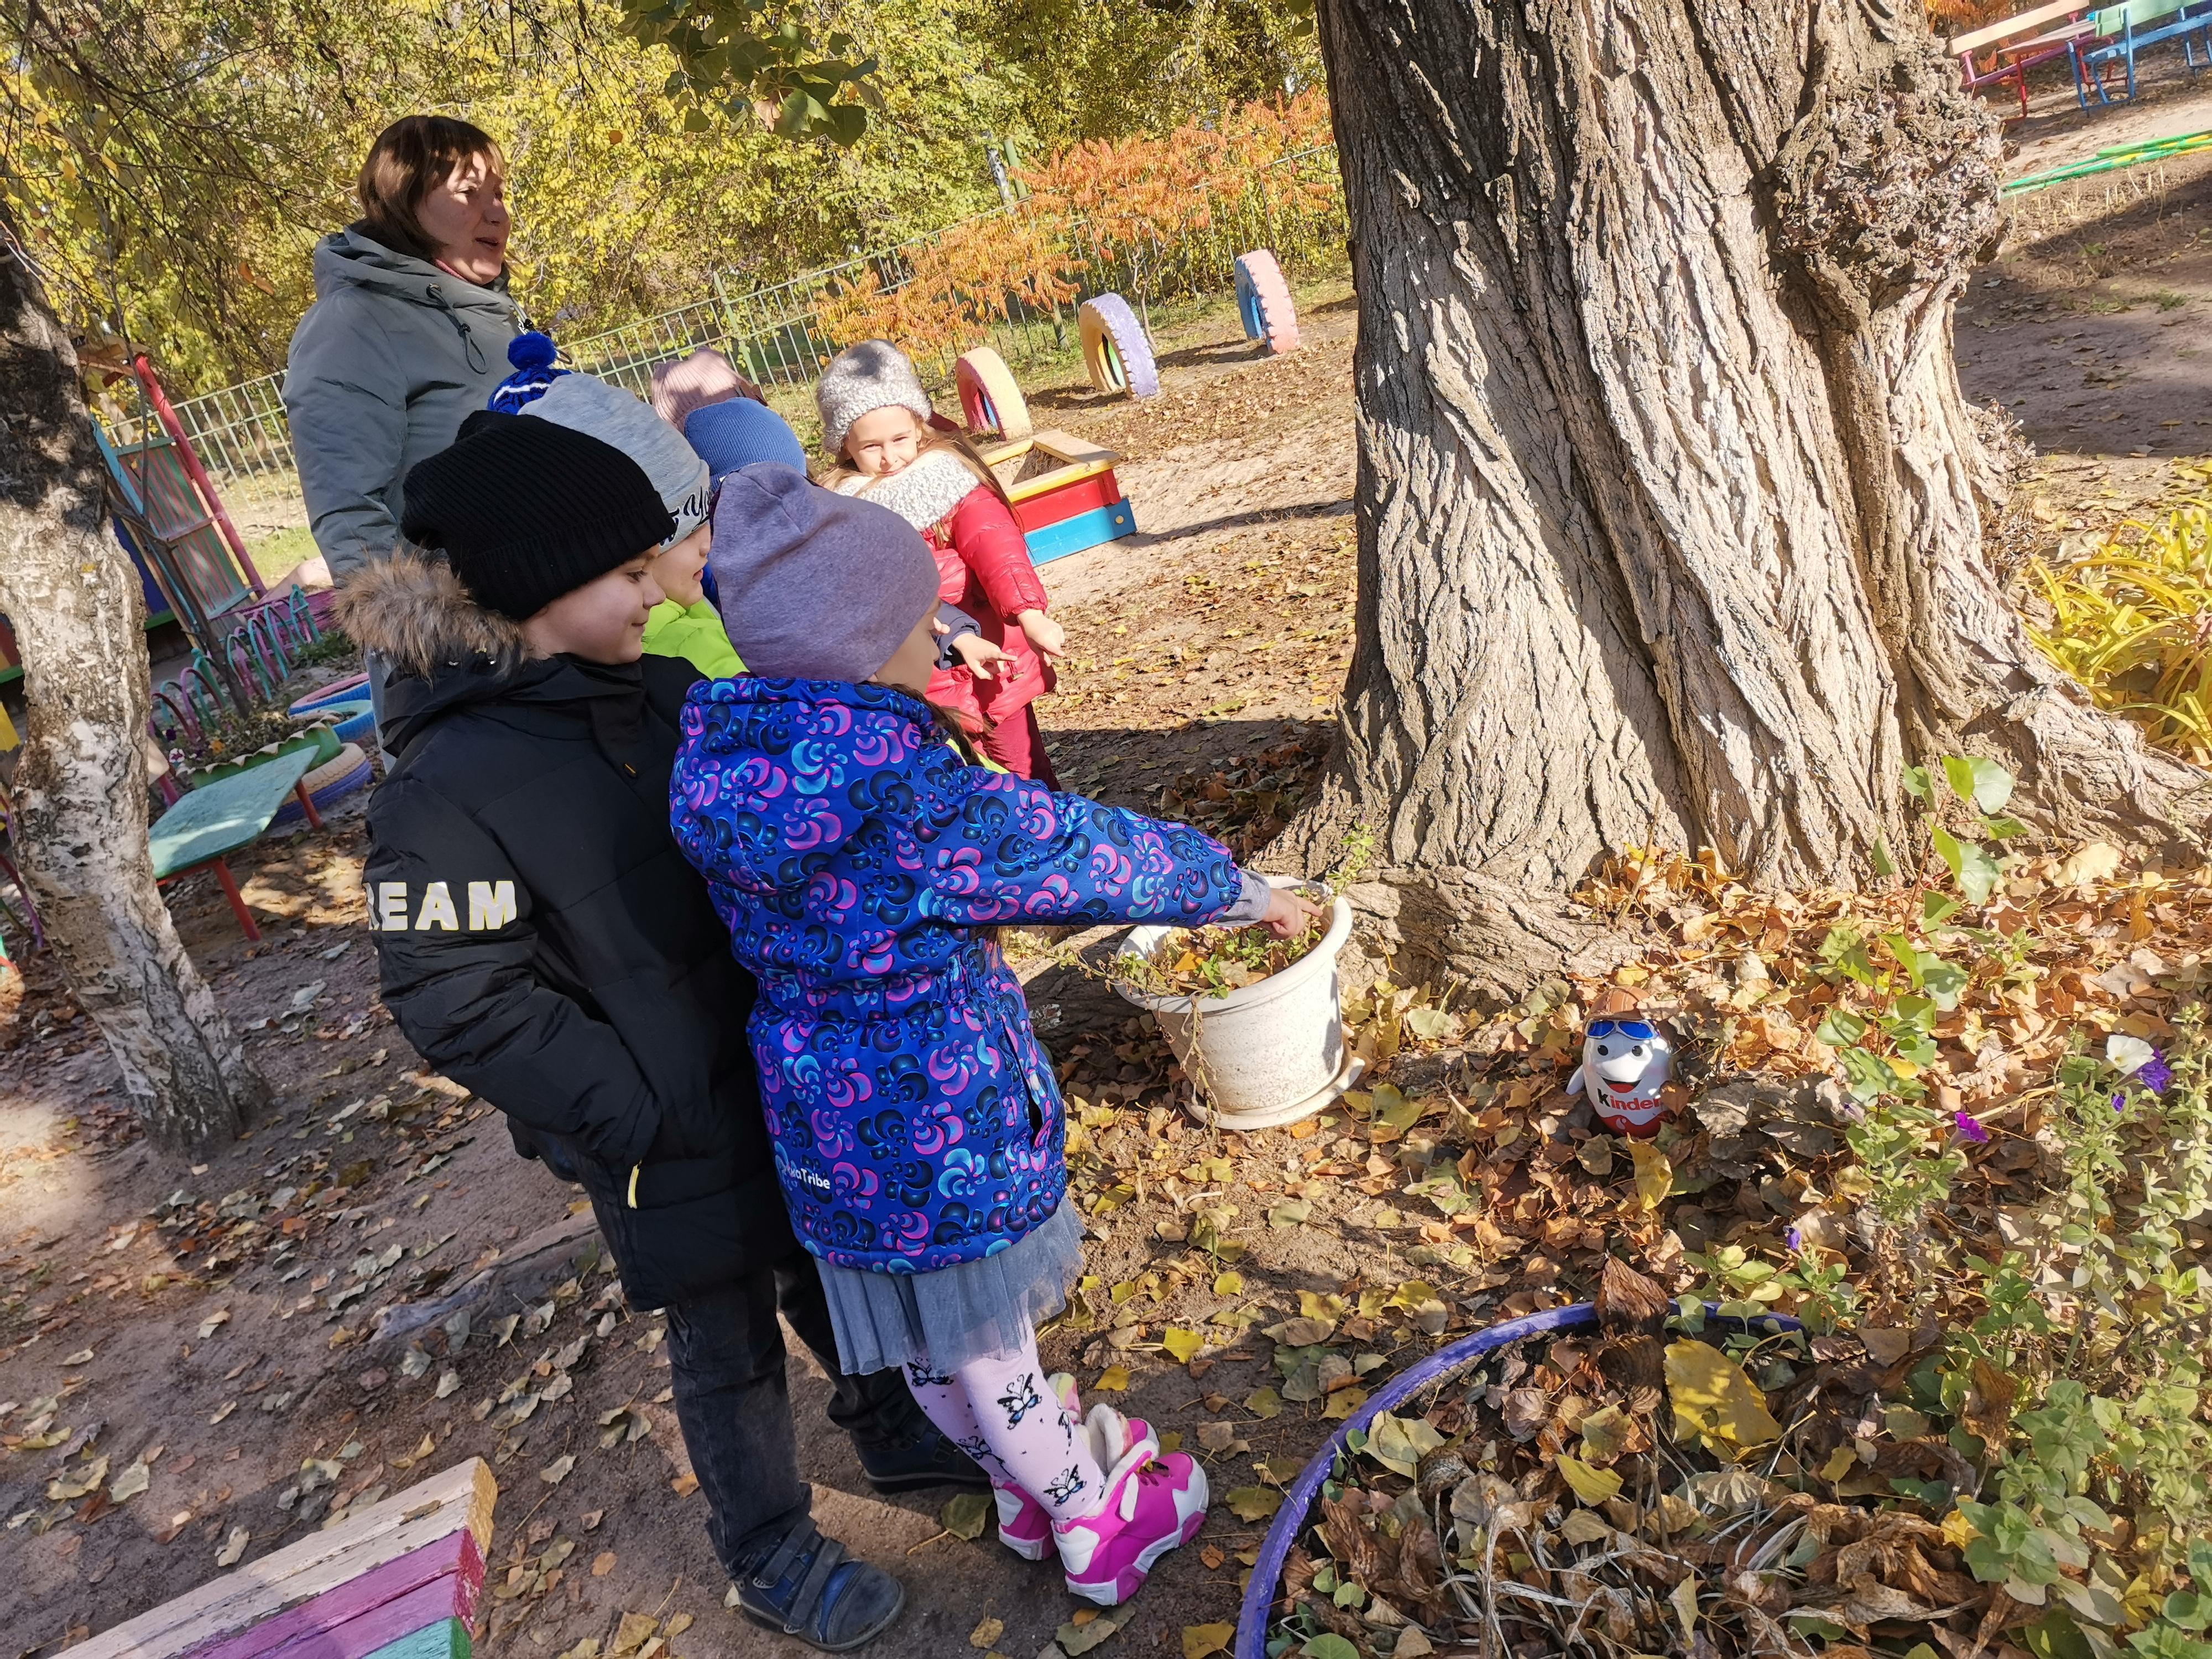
491, 907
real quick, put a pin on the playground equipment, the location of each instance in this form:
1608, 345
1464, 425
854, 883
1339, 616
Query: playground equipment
401, 1579
2132, 27
1064, 495
2010, 58
1116, 352
220, 817
2112, 159
990, 401
1263, 301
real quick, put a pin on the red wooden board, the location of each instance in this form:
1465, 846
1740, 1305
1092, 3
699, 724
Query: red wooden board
1083, 495
440, 1580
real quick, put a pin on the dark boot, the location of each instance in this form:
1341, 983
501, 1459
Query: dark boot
920, 1457
809, 1588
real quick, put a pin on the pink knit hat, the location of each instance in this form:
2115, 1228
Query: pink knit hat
693, 382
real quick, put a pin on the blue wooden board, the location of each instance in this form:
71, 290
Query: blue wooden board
446, 1639
1101, 524
224, 815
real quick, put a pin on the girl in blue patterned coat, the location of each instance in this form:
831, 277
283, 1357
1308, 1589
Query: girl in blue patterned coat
861, 864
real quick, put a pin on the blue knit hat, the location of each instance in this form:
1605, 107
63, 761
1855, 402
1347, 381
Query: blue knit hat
532, 354
739, 432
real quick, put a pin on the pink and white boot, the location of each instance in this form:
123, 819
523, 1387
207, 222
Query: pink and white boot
1024, 1524
1153, 1503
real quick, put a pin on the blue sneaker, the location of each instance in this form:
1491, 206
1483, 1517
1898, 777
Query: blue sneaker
809, 1588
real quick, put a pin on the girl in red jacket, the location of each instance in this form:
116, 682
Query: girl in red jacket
876, 425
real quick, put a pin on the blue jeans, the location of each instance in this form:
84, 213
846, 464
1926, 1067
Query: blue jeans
734, 1403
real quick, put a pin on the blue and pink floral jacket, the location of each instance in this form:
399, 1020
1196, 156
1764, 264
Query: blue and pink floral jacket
916, 1120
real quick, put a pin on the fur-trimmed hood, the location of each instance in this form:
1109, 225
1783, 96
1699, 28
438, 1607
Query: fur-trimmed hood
416, 614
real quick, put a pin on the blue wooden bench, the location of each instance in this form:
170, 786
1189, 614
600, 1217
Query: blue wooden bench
2125, 30
220, 817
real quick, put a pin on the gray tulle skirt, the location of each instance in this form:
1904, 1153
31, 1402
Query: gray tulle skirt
955, 1314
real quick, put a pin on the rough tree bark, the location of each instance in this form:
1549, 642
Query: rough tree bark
1668, 502
81, 792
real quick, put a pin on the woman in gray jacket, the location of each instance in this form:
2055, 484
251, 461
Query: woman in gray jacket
408, 334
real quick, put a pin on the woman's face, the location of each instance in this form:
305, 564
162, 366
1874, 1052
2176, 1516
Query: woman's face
883, 442
466, 216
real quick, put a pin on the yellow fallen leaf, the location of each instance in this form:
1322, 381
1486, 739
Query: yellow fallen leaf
1229, 1283
1684, 1600
557, 1471
1715, 1399
1184, 1344
1958, 1531
1840, 1461
678, 1626
1655, 1176
631, 1633
1113, 1380
603, 1564
684, 1484
1583, 1527
1200, 1640
986, 1632
1591, 1486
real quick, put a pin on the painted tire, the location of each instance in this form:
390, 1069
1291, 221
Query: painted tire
990, 401
1115, 349
332, 781
1263, 300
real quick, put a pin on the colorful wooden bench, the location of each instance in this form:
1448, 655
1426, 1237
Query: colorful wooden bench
2125, 30
1064, 495
224, 814
2012, 57
399, 1581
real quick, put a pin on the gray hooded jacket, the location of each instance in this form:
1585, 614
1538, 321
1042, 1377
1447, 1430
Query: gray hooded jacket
391, 358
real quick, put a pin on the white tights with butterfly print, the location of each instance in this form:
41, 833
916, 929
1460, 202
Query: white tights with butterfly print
1002, 1413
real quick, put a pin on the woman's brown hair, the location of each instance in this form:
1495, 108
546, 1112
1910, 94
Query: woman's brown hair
409, 158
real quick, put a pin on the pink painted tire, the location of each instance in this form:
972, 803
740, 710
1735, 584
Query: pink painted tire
1263, 301
990, 399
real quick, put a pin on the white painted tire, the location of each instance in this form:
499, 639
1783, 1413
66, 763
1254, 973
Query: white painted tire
1114, 349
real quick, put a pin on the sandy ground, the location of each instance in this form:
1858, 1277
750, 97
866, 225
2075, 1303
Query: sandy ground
221, 1313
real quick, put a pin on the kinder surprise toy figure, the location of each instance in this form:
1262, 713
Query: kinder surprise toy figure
1625, 1063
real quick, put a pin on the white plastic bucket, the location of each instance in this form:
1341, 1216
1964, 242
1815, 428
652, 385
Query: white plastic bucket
1266, 1053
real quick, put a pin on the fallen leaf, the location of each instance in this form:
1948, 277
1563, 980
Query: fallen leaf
1655, 1176
233, 1547
963, 1515
82, 1357
221, 1412
134, 1480
1593, 1486
1264, 1404
1075, 1638
603, 1564
1684, 1600
1714, 1398
592, 1519
1113, 1380
557, 1471
1184, 1344
684, 1484
1583, 1527
1229, 1283
214, 1322
1253, 1503
1200, 1640
986, 1633
631, 1633
677, 1624
447, 1382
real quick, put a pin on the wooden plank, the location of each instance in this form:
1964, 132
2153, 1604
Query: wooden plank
446, 1639
1085, 531
381, 1626
454, 1557
2032, 18
456, 1498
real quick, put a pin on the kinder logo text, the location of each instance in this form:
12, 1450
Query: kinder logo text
491, 907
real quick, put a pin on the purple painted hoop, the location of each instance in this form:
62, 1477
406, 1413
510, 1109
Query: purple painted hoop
1291, 1519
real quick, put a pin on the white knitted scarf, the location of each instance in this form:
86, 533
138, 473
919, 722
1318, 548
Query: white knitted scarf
924, 493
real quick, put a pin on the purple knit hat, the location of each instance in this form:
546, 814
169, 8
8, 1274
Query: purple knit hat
812, 585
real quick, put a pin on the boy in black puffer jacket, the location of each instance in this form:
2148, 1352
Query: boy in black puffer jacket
541, 942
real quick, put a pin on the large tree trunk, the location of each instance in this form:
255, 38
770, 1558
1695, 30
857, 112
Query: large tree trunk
1668, 501
73, 598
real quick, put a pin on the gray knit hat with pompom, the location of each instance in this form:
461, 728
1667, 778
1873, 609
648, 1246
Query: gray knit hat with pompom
872, 375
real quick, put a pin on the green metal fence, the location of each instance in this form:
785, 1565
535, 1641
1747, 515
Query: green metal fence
775, 332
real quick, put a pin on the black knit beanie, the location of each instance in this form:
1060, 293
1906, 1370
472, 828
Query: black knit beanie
526, 510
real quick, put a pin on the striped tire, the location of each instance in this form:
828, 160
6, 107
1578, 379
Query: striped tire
990, 401
333, 781
1115, 349
1263, 300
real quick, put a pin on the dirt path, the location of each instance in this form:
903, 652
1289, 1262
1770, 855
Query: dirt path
222, 1315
